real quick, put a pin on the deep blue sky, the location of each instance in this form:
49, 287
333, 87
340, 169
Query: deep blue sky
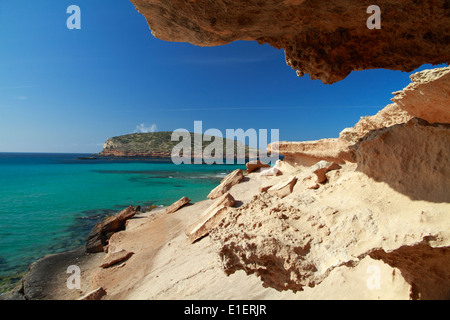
67, 90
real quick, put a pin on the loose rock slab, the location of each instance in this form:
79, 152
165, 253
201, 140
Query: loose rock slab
232, 179
116, 257
211, 218
321, 168
255, 165
178, 204
225, 200
265, 188
283, 188
273, 171
96, 294
207, 223
99, 235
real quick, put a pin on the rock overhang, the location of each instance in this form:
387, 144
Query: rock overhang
325, 39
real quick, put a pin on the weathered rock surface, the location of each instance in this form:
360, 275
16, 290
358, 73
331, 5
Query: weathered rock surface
421, 265
390, 115
225, 185
283, 188
325, 39
95, 294
98, 237
286, 242
211, 217
115, 257
255, 165
412, 158
394, 206
321, 168
48, 277
178, 204
273, 171
427, 96
265, 188
308, 153
207, 223
226, 200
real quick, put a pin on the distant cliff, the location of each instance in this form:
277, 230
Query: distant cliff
159, 145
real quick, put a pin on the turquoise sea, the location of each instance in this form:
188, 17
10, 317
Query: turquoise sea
50, 202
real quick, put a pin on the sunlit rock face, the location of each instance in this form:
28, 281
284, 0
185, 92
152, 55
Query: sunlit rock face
325, 39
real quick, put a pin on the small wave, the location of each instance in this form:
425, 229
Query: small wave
221, 175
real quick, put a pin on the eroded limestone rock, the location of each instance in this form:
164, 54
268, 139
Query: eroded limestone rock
325, 39
427, 96
412, 158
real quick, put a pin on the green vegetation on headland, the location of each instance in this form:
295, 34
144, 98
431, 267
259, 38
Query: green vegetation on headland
160, 144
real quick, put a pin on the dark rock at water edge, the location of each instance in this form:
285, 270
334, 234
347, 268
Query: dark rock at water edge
98, 237
47, 277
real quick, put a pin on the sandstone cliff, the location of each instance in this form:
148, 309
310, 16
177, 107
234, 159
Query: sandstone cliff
374, 226
325, 39
370, 220
427, 96
364, 216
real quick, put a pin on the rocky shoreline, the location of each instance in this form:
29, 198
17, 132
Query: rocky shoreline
364, 216
47, 277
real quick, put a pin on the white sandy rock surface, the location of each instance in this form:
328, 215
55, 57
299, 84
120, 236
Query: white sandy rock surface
376, 226
324, 244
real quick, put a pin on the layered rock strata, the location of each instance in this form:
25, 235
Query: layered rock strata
308, 153
391, 205
427, 96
